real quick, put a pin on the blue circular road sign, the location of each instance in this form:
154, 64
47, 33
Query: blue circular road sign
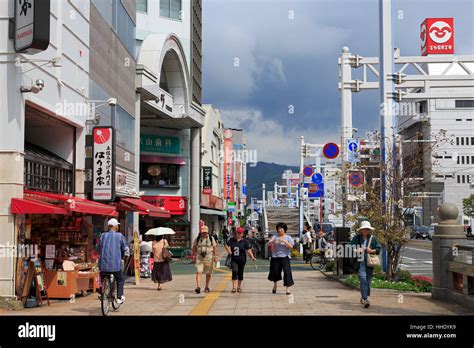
308, 171
352, 147
331, 150
317, 178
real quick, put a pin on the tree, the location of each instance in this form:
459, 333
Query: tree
389, 219
468, 206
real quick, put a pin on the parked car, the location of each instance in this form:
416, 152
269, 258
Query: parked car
420, 232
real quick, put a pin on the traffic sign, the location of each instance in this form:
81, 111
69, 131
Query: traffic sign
352, 153
356, 179
316, 190
308, 171
331, 150
352, 146
317, 178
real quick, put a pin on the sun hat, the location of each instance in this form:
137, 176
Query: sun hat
204, 229
365, 225
113, 222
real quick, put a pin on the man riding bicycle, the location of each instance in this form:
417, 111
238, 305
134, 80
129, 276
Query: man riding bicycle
113, 248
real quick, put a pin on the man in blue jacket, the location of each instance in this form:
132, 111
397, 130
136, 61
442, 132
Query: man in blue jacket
113, 248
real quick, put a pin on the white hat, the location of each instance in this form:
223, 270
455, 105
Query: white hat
113, 222
364, 225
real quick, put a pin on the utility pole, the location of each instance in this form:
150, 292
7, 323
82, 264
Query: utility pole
301, 202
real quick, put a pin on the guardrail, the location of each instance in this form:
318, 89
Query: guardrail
461, 269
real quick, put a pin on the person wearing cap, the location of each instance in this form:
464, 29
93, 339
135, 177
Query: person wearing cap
113, 248
205, 253
361, 240
238, 247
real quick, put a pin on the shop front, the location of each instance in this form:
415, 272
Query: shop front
212, 212
59, 228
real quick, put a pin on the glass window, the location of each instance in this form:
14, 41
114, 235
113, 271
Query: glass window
125, 129
142, 6
464, 103
170, 9
159, 175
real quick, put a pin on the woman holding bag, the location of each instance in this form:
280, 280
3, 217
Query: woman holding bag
161, 267
370, 247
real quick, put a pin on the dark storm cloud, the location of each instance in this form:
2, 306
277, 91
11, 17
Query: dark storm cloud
286, 55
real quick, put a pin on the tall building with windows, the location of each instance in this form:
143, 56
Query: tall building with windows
168, 41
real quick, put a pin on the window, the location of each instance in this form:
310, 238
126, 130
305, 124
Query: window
125, 129
472, 140
458, 119
142, 6
423, 107
159, 175
464, 103
462, 160
467, 160
458, 159
457, 141
463, 179
462, 141
170, 9
459, 179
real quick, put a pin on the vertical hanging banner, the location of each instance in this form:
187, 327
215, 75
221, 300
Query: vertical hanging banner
103, 170
228, 166
136, 257
207, 180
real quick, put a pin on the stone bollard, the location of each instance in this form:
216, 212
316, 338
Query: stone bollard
447, 233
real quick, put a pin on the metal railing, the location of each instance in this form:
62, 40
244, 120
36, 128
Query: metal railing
461, 268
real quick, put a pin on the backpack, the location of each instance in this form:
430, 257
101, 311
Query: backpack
211, 238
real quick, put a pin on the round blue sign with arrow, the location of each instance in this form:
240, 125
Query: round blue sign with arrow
331, 150
317, 178
308, 171
352, 146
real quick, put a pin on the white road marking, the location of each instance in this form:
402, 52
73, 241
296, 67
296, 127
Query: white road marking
416, 249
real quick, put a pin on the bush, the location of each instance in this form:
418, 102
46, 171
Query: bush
330, 266
352, 281
295, 253
424, 284
403, 276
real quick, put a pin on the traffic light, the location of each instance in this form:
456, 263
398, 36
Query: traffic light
305, 150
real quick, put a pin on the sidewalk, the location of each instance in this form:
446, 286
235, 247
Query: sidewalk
313, 294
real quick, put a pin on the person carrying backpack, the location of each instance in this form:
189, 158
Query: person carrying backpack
205, 253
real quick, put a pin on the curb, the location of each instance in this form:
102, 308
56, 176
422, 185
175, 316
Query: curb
341, 280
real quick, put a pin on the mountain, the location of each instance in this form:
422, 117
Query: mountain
266, 173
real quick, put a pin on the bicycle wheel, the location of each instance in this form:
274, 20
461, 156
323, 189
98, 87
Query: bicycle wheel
323, 264
105, 296
116, 305
315, 262
187, 256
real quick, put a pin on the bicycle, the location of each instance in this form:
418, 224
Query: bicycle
318, 260
108, 294
187, 256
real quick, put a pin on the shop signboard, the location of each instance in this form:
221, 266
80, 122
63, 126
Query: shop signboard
159, 143
176, 205
136, 256
437, 36
32, 26
207, 180
103, 170
228, 166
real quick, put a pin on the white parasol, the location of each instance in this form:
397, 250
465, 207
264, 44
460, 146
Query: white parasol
159, 231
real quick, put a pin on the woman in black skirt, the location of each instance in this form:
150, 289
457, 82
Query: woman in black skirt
161, 268
281, 245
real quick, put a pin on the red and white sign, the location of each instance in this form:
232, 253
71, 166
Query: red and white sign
176, 205
437, 36
228, 169
103, 185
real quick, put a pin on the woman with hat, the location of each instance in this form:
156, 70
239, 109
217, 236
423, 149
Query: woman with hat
238, 247
368, 244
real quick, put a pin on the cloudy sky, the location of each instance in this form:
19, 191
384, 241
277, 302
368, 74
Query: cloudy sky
266, 58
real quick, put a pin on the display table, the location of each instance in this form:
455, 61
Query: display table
65, 284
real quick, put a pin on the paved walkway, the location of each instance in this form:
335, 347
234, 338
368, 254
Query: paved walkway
313, 294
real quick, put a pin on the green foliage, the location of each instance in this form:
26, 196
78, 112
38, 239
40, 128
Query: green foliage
468, 205
330, 266
295, 253
403, 276
416, 284
423, 283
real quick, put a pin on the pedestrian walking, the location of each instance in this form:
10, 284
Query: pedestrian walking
205, 253
307, 243
161, 268
225, 234
214, 235
368, 245
281, 245
238, 247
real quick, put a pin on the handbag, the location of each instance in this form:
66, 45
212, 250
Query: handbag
166, 254
228, 261
372, 259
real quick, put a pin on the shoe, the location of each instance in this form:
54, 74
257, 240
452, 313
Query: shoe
121, 300
366, 304
198, 290
288, 293
274, 291
239, 290
207, 290
233, 290
361, 300
159, 289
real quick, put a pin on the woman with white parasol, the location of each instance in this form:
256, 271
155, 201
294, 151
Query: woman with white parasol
161, 268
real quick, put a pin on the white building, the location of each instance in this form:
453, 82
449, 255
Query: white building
449, 167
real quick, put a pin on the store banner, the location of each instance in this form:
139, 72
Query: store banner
228, 169
207, 180
176, 205
160, 144
103, 170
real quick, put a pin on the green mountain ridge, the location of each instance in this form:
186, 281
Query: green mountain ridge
267, 173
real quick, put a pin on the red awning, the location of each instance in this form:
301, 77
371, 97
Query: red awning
73, 204
163, 159
31, 206
142, 207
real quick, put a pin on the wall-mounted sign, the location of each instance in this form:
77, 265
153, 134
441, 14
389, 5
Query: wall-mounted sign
32, 29
228, 170
103, 170
207, 180
160, 144
176, 205
437, 36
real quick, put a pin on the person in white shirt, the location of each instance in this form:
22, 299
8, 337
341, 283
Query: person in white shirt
307, 243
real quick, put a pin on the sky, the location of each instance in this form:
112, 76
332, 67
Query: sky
271, 66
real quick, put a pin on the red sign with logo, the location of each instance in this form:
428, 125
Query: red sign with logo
437, 36
176, 205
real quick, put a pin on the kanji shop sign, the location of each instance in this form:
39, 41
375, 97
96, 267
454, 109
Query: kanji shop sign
437, 36
32, 29
158, 143
176, 205
103, 169
207, 180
